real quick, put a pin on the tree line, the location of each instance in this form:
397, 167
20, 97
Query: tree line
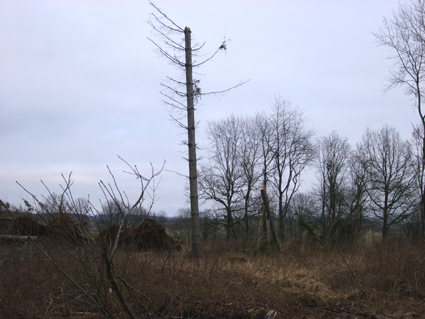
375, 181
381, 179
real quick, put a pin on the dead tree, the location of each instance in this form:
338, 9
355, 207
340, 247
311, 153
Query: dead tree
269, 214
182, 97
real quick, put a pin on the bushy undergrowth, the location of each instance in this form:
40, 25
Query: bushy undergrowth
370, 277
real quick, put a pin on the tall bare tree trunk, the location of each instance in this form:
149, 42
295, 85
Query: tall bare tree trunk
191, 142
166, 29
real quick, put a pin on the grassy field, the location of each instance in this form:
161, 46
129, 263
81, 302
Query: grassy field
369, 279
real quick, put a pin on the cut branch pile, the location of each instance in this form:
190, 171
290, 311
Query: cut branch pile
65, 227
108, 236
150, 235
27, 226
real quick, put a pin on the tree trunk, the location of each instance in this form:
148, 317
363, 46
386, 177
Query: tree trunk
269, 213
422, 207
281, 225
264, 224
323, 219
264, 214
422, 203
191, 142
246, 217
385, 225
229, 224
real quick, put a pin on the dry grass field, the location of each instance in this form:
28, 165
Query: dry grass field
369, 279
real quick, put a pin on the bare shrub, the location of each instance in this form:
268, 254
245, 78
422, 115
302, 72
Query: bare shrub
304, 280
84, 272
391, 271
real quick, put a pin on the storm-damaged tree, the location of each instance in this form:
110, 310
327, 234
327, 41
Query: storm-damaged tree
404, 34
390, 176
182, 97
266, 157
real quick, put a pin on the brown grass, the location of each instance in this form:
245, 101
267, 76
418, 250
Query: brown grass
306, 280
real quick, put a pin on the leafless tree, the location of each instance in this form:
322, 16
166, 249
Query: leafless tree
333, 164
356, 196
182, 97
271, 149
221, 180
390, 174
404, 34
250, 160
292, 150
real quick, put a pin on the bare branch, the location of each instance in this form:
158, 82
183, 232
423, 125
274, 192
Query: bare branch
226, 90
170, 57
177, 28
223, 46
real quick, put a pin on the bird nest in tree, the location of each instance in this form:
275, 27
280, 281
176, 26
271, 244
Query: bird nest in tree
150, 235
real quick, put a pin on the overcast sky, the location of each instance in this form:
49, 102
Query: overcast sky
80, 84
